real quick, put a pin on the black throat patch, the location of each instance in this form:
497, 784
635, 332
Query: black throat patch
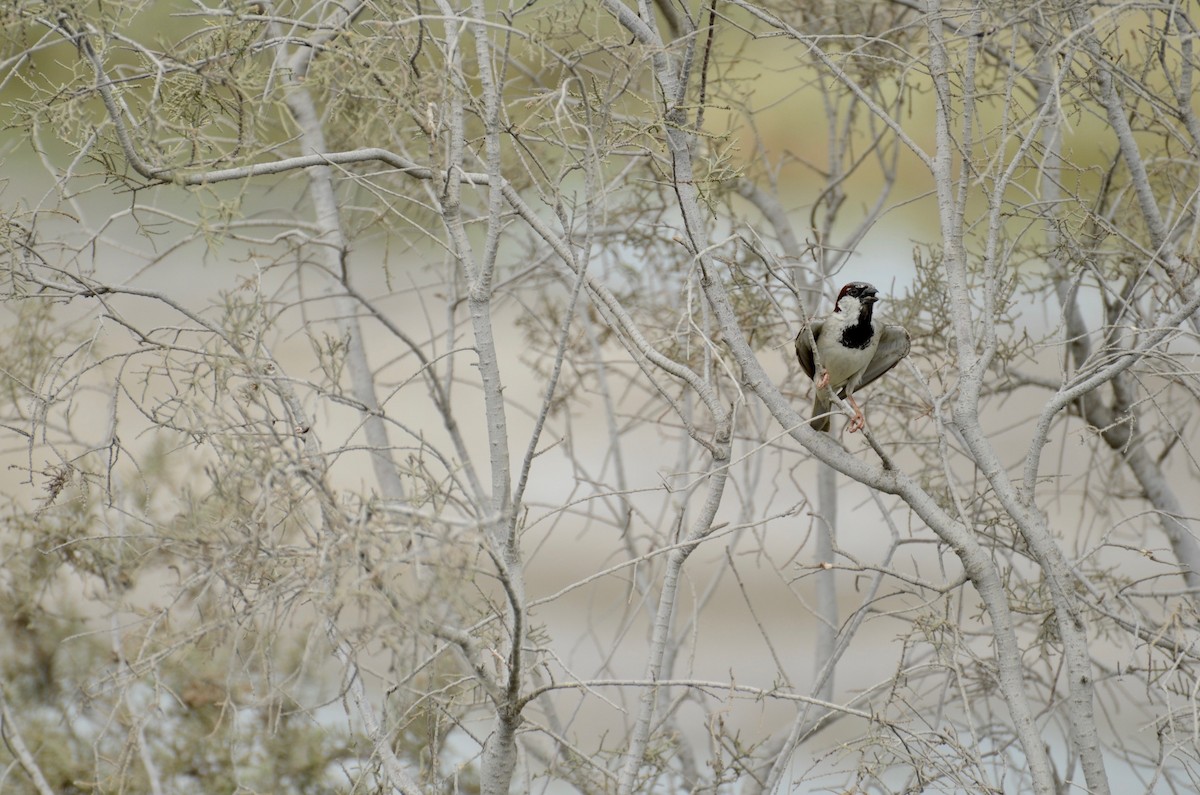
858, 334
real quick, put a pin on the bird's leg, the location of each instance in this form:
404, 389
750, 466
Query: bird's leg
823, 381
859, 420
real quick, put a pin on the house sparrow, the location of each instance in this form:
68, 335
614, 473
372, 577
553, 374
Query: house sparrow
853, 351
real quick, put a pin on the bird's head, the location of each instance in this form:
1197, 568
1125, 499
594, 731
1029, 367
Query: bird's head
860, 294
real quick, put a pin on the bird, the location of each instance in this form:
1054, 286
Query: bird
853, 350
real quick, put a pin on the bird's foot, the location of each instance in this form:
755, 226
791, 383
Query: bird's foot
859, 420
823, 381
857, 423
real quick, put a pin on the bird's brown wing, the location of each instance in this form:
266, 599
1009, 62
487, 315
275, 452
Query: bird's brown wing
894, 344
804, 351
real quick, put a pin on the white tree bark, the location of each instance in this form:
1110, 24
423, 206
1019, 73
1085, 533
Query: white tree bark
599, 168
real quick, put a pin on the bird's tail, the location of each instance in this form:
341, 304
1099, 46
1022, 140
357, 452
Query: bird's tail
820, 412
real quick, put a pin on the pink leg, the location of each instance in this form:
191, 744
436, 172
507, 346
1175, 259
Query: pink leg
859, 420
823, 381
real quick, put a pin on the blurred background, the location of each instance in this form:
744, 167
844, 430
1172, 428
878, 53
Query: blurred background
403, 397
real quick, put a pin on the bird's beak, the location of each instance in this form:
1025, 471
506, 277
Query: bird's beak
869, 298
